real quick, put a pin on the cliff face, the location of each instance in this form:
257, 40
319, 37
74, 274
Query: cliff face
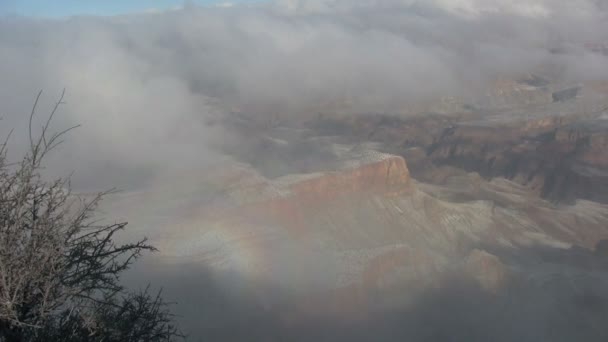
290, 200
558, 150
562, 161
387, 175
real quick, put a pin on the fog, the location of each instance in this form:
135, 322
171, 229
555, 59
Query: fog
151, 90
570, 306
143, 85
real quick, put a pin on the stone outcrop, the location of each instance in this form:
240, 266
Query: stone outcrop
291, 197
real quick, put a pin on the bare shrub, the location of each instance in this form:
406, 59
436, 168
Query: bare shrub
60, 267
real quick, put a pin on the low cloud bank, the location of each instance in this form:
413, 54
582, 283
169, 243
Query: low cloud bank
144, 86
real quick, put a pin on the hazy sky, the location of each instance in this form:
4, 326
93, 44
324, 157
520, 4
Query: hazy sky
60, 8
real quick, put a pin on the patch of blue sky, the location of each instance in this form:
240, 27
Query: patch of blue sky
64, 8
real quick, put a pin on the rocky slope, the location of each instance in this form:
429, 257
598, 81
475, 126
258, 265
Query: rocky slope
363, 237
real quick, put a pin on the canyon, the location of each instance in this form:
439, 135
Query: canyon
350, 221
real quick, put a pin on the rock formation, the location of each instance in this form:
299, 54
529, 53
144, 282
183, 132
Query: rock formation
556, 149
496, 208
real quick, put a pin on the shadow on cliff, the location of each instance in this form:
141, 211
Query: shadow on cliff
557, 295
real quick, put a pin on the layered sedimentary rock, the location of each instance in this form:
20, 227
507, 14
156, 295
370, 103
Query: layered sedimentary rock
343, 218
290, 198
358, 236
364, 235
557, 149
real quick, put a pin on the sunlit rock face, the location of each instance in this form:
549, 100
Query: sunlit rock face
290, 199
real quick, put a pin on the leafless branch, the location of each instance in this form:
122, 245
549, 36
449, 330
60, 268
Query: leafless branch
59, 265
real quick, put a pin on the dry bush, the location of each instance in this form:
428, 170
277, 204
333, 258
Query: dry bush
59, 267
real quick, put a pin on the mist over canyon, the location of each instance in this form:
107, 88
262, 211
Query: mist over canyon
336, 170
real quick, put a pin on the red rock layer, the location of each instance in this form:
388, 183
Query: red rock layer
387, 177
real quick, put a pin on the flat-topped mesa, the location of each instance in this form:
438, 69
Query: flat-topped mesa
291, 199
376, 173
352, 172
306, 195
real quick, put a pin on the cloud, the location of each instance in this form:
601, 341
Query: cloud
467, 8
144, 86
